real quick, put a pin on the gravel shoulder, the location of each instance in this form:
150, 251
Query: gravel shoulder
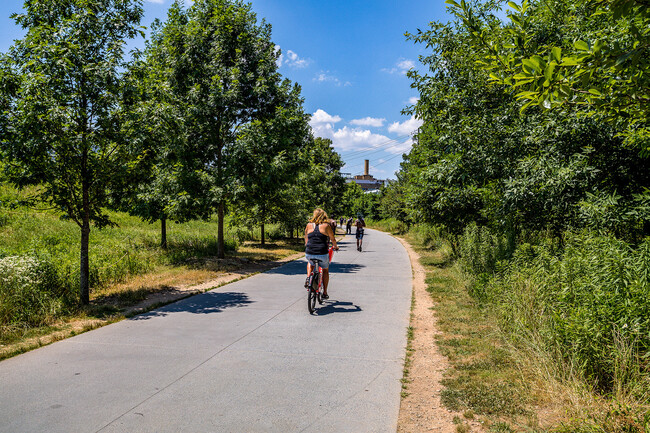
421, 409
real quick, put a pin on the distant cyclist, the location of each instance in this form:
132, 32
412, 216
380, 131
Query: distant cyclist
360, 223
318, 235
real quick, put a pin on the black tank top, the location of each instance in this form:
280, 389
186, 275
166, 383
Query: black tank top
317, 243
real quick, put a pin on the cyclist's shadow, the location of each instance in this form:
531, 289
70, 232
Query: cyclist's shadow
333, 306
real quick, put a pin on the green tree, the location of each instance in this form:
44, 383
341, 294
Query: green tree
478, 159
220, 69
61, 86
393, 204
321, 182
164, 182
265, 161
351, 199
553, 53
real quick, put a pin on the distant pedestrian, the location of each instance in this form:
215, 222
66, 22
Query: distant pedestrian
360, 223
342, 219
348, 226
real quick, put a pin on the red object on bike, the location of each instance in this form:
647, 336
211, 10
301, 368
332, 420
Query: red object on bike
330, 253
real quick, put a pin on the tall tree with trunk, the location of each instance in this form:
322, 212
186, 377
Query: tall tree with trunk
62, 126
220, 68
265, 160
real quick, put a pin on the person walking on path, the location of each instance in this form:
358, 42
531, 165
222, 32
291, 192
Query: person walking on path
348, 226
360, 223
318, 235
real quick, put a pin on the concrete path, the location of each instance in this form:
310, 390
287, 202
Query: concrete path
246, 357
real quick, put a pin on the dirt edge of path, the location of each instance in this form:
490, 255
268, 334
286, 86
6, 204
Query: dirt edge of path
421, 409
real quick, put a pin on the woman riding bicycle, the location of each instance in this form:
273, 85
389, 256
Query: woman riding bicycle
318, 235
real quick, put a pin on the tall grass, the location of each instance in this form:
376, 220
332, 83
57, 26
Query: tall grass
390, 225
32, 293
587, 305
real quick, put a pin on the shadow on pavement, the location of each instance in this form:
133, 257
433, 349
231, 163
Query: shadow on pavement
206, 303
299, 268
345, 268
330, 307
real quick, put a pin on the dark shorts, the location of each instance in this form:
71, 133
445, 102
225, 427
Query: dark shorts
359, 234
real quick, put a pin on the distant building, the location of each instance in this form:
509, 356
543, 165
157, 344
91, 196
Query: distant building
366, 181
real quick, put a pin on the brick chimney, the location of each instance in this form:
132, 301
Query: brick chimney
366, 170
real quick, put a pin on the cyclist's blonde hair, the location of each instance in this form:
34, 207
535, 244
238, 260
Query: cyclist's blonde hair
319, 217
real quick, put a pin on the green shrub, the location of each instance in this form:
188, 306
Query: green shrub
481, 250
31, 292
390, 225
275, 232
428, 235
589, 303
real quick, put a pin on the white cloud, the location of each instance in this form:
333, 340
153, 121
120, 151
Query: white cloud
405, 65
322, 123
414, 100
348, 138
403, 147
291, 58
402, 66
368, 121
407, 127
321, 117
326, 77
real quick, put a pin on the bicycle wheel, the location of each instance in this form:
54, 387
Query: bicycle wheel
312, 294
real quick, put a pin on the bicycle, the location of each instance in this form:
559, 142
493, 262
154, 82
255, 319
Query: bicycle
315, 284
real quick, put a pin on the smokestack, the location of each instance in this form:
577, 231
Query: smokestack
366, 170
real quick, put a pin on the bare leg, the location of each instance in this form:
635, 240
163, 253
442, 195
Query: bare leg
326, 280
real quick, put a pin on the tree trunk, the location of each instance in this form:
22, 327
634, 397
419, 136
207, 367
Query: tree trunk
221, 247
163, 233
84, 269
262, 233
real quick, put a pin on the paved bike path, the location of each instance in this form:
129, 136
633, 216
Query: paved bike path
246, 357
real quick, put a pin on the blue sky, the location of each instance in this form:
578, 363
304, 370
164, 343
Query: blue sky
350, 58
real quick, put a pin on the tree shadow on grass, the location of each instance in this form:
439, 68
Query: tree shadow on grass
206, 303
331, 307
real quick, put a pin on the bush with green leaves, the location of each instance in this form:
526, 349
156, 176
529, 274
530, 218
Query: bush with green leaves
481, 249
428, 235
31, 292
588, 303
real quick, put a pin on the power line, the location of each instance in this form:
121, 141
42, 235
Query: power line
376, 151
380, 145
